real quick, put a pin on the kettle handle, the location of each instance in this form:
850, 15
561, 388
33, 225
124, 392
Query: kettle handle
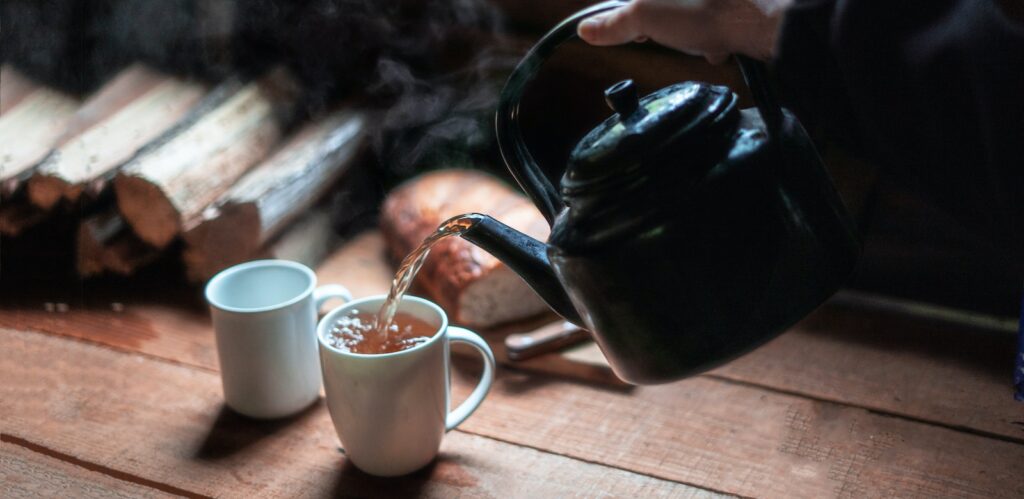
753, 72
506, 121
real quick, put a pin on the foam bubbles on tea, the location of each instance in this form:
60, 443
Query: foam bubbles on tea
356, 332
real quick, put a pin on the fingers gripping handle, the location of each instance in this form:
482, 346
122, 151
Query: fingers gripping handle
517, 157
460, 335
513, 149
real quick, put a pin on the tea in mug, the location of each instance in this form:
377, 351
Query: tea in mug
357, 332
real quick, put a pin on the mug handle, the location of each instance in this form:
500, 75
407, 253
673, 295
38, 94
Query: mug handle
326, 292
461, 335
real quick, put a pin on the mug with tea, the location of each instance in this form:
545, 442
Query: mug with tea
388, 391
264, 316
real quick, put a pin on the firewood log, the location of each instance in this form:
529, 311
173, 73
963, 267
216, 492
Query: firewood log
167, 186
131, 110
13, 87
105, 243
273, 194
28, 131
307, 240
17, 216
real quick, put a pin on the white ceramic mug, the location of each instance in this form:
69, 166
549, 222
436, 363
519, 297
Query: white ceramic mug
264, 315
392, 410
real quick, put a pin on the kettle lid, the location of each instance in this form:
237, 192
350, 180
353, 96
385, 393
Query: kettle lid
642, 126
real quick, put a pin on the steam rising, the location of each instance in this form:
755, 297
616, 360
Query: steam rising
431, 68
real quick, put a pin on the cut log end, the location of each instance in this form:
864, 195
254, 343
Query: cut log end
106, 244
147, 209
45, 191
18, 216
89, 254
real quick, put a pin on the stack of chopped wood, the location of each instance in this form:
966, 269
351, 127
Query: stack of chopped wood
151, 159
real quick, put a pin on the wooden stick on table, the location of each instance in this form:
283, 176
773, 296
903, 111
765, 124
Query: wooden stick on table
166, 187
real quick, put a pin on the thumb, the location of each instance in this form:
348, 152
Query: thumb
612, 28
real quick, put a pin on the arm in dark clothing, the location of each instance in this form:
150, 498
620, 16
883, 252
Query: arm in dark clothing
932, 91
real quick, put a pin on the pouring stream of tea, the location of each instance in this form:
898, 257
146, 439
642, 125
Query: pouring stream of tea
411, 265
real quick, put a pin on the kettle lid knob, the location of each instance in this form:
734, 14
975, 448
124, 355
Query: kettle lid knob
622, 98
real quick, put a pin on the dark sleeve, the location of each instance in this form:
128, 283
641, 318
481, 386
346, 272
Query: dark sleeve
932, 91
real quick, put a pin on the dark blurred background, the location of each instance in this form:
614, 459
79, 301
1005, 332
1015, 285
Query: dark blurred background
430, 72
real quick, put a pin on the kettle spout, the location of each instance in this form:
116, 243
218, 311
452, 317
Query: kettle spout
527, 257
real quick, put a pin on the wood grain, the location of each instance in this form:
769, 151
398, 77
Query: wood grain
28, 131
703, 431
273, 194
28, 473
950, 375
160, 191
169, 331
930, 372
747, 441
165, 423
129, 111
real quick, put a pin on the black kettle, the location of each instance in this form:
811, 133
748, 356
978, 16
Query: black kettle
686, 231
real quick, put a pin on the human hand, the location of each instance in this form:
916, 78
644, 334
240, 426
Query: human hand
710, 28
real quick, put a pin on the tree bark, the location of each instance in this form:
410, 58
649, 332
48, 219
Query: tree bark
131, 110
29, 128
166, 187
272, 195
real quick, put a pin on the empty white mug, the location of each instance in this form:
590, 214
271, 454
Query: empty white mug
264, 315
391, 410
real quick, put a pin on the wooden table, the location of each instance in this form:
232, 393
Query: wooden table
122, 397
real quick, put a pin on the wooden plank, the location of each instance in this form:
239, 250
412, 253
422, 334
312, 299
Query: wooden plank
956, 376
166, 330
731, 437
723, 436
747, 441
29, 473
134, 108
164, 188
932, 372
166, 423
